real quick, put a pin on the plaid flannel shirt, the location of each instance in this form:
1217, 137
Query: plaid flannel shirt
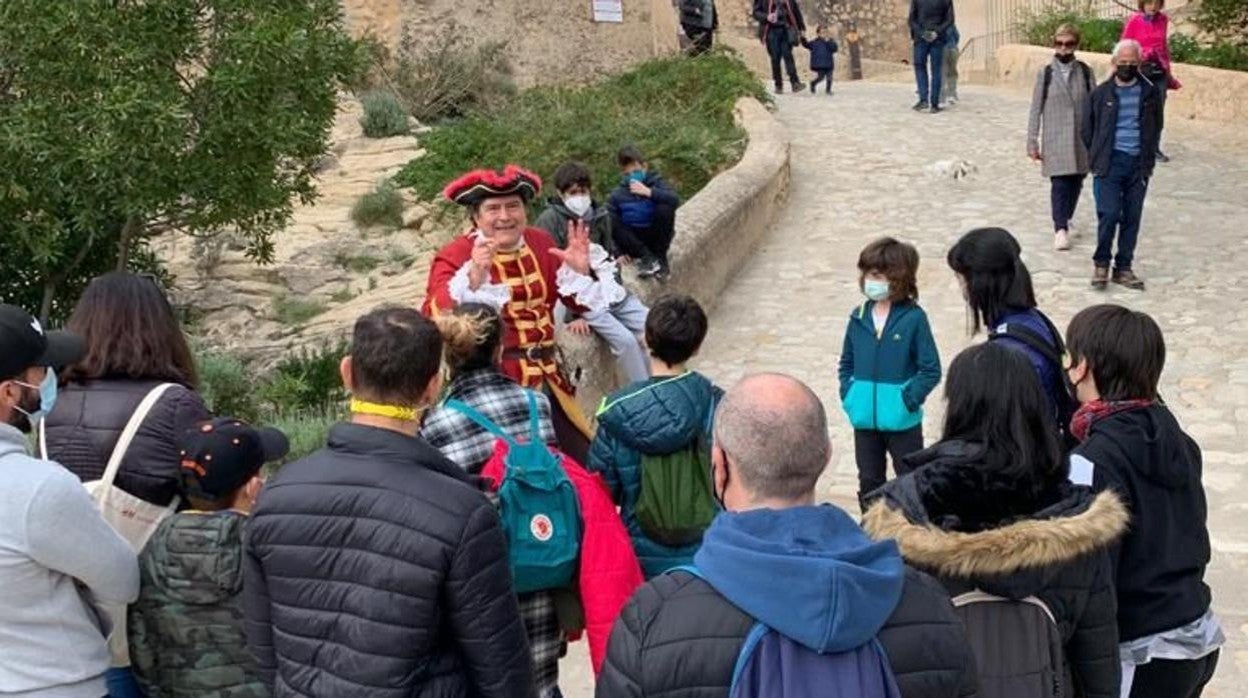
469, 446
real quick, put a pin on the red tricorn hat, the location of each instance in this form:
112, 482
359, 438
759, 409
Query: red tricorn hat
479, 185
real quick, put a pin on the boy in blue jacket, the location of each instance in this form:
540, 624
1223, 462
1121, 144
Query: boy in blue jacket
889, 363
822, 62
643, 215
666, 414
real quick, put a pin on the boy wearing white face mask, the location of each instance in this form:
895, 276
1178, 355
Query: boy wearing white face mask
889, 363
622, 324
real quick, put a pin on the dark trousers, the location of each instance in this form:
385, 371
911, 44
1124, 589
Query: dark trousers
925, 53
643, 243
1170, 678
1119, 207
779, 48
1064, 197
870, 449
1162, 92
700, 40
822, 76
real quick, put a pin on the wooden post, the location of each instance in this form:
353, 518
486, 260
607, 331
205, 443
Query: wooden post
855, 52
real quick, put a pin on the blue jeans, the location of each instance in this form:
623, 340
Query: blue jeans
122, 684
925, 52
1119, 207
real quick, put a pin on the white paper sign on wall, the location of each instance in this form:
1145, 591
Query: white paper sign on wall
608, 10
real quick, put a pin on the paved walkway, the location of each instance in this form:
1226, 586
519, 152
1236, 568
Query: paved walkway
860, 163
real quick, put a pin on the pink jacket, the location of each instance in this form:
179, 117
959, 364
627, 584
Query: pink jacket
609, 570
1152, 35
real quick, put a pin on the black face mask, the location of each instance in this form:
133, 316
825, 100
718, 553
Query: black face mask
1127, 73
1065, 57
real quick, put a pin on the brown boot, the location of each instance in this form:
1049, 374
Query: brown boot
1100, 278
1127, 279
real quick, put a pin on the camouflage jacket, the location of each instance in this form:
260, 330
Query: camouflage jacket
186, 629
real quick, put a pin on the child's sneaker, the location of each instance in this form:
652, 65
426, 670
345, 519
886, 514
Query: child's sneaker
647, 268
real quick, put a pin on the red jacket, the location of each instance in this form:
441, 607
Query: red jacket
1153, 39
609, 572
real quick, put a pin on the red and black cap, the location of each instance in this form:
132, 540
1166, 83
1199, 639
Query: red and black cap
479, 185
24, 343
220, 456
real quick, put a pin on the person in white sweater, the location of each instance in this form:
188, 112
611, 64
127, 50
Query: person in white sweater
59, 559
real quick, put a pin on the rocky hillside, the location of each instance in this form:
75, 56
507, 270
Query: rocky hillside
326, 271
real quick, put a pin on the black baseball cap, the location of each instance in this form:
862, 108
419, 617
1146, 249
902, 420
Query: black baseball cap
24, 343
220, 456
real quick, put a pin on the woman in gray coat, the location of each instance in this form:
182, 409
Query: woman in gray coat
1057, 104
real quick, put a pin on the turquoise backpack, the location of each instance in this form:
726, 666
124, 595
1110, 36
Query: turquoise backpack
538, 506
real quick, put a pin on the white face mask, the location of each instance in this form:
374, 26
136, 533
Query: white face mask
578, 203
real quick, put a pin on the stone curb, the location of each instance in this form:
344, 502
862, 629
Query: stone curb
716, 231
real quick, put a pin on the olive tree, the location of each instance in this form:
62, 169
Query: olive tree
123, 119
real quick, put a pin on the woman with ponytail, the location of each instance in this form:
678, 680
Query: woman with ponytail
997, 287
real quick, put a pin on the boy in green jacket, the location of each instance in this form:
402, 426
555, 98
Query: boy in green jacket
889, 363
186, 629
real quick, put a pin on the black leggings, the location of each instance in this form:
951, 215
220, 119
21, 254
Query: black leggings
1064, 197
1171, 678
871, 449
822, 75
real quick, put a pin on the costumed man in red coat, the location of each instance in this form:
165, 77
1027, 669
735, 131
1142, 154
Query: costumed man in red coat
520, 271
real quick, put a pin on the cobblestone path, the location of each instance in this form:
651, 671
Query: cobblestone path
860, 164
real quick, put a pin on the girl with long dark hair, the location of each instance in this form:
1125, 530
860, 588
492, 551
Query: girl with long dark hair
990, 509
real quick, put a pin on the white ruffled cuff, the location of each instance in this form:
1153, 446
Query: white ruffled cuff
493, 295
592, 295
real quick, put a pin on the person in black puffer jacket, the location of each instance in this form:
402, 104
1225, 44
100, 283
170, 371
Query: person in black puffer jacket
134, 343
376, 566
989, 508
681, 634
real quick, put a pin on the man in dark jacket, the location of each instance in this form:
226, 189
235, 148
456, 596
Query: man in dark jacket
186, 629
643, 214
780, 27
1121, 129
700, 20
930, 21
376, 566
774, 557
1132, 444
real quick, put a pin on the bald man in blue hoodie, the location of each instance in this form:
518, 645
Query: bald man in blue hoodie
774, 556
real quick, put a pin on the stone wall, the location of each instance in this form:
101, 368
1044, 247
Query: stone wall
548, 40
716, 231
882, 26
1208, 93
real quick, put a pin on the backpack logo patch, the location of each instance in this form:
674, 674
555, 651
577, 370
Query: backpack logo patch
541, 527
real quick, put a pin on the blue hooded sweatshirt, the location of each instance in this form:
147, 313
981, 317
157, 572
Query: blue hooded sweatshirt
809, 573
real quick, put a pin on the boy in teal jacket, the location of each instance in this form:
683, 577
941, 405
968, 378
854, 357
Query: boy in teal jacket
889, 363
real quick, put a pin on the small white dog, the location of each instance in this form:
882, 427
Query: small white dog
955, 169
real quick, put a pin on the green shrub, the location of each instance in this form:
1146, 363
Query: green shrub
679, 111
358, 263
1098, 34
227, 386
307, 432
1226, 20
307, 381
384, 115
296, 311
1183, 48
1222, 54
381, 206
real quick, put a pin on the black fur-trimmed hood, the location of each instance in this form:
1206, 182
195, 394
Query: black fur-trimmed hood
946, 519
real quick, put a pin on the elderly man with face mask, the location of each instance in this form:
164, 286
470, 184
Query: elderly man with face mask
59, 559
520, 271
1121, 128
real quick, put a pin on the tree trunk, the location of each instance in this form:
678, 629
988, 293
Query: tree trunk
49, 293
126, 241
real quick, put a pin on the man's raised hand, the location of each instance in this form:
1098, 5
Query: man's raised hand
576, 256
482, 261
